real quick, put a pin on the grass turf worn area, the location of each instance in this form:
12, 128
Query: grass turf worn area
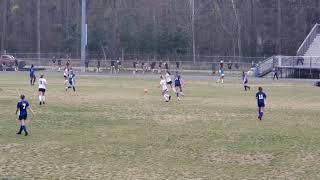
112, 130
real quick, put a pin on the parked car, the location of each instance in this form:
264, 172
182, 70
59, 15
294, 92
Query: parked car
9, 62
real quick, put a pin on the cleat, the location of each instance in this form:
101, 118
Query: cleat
26, 134
169, 98
40, 103
44, 103
19, 133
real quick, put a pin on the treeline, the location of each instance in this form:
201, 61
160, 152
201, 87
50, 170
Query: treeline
158, 27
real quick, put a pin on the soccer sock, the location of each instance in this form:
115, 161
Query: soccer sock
177, 94
165, 97
40, 98
222, 81
20, 130
261, 114
24, 128
43, 98
74, 89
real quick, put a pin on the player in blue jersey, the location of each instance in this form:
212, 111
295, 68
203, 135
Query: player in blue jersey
178, 85
32, 75
71, 81
22, 108
261, 97
245, 81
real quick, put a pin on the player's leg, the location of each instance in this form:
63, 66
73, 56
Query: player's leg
20, 123
43, 96
177, 91
40, 97
166, 96
222, 79
261, 112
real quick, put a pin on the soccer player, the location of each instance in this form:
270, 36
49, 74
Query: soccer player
65, 75
178, 85
22, 108
42, 90
59, 64
112, 67
275, 73
71, 81
164, 89
245, 81
119, 65
221, 77
32, 75
168, 79
261, 97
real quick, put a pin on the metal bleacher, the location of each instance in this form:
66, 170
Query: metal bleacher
306, 64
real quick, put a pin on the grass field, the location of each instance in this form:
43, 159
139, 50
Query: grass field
113, 131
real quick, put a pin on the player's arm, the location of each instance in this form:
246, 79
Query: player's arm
17, 110
32, 112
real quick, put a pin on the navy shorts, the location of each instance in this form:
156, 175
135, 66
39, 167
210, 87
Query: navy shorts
23, 117
261, 105
177, 85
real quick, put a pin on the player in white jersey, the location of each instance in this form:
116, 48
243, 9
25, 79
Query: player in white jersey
65, 75
168, 80
42, 89
164, 89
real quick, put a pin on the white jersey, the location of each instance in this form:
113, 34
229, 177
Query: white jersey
65, 73
163, 85
168, 78
42, 83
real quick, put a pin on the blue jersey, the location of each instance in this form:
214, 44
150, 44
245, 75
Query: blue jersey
32, 71
71, 78
261, 96
22, 106
177, 80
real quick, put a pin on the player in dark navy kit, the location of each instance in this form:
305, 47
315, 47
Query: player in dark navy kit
22, 108
32, 75
178, 85
261, 97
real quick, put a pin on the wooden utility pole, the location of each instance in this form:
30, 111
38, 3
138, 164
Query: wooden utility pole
38, 29
83, 34
279, 47
193, 32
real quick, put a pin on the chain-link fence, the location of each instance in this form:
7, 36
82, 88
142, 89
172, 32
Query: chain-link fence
140, 62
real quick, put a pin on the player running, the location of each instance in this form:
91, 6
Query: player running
168, 79
42, 90
245, 81
65, 75
164, 89
71, 81
178, 85
22, 108
221, 77
261, 97
32, 75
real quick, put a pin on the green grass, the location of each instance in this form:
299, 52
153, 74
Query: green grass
113, 131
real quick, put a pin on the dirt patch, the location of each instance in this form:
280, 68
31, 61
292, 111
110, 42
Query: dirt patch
240, 159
